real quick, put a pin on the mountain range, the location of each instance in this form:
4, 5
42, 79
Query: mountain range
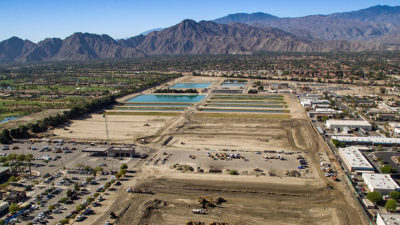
375, 28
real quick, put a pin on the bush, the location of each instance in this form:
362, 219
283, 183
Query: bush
63, 199
107, 185
64, 221
233, 172
90, 199
80, 207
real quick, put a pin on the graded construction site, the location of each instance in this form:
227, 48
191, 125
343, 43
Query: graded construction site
226, 167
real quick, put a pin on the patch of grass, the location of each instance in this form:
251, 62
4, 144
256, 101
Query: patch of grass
248, 116
144, 113
239, 110
149, 107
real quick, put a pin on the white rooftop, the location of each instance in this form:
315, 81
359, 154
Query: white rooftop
354, 158
390, 218
380, 181
369, 139
326, 110
349, 122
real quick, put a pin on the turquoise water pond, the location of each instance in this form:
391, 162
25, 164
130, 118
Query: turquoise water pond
156, 105
232, 84
167, 98
191, 85
153, 109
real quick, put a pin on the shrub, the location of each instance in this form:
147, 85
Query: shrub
233, 172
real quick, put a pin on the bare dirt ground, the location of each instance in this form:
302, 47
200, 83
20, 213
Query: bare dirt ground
250, 199
247, 203
125, 128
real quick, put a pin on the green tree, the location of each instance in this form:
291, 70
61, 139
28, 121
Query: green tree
124, 166
69, 193
77, 187
118, 175
14, 208
97, 170
391, 205
387, 169
375, 197
395, 195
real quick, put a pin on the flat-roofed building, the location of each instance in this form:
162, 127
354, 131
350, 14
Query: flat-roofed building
382, 183
387, 219
354, 160
349, 124
370, 140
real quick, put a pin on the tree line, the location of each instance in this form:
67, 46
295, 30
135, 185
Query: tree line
25, 131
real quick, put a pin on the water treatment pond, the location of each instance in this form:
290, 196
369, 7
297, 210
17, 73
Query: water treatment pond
232, 84
153, 109
191, 85
239, 110
246, 106
167, 98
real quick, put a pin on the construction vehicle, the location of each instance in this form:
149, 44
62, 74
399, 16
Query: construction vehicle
199, 211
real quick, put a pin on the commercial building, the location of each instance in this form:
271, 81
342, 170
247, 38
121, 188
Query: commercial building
348, 124
382, 183
354, 160
370, 140
324, 112
125, 151
387, 219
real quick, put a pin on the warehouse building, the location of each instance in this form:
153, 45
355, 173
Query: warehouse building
370, 140
382, 183
387, 219
354, 160
348, 124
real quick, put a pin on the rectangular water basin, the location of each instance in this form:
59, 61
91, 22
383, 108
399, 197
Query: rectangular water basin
244, 110
233, 84
167, 98
245, 106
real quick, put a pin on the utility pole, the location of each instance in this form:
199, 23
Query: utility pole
105, 120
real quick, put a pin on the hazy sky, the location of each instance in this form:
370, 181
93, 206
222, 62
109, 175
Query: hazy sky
38, 19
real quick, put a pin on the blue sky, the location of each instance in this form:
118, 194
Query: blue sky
38, 19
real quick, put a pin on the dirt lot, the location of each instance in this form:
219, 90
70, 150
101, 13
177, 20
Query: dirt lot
124, 128
247, 203
249, 164
250, 199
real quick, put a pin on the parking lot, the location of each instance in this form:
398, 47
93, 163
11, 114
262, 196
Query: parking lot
58, 169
